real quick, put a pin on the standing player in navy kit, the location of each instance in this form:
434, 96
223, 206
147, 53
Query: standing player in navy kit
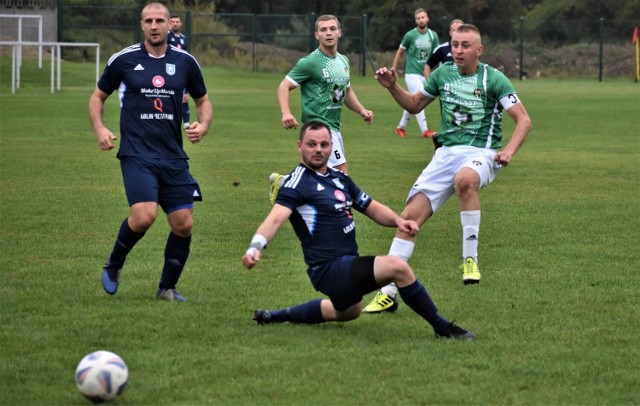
152, 159
178, 40
318, 201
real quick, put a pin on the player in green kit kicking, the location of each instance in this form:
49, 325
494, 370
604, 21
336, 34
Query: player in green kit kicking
473, 97
324, 80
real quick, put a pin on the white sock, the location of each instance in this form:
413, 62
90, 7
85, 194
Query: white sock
404, 120
470, 233
402, 249
421, 118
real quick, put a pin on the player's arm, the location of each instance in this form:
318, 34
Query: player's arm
104, 136
288, 120
352, 102
384, 216
523, 125
427, 70
265, 232
413, 103
199, 129
396, 59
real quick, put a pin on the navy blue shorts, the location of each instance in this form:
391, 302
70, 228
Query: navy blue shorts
345, 281
167, 182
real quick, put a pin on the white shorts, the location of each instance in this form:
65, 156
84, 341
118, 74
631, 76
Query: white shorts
337, 156
414, 82
437, 180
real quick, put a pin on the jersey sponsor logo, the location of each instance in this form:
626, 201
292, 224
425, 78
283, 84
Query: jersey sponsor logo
349, 228
157, 104
170, 69
157, 81
338, 93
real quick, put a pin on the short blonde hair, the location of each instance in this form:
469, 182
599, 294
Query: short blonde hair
327, 17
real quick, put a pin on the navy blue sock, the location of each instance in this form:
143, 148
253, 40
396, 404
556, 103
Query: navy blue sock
307, 313
186, 114
417, 298
176, 253
125, 241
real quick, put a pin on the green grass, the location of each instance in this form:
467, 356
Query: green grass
556, 313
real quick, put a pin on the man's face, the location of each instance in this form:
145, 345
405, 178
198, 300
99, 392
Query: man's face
422, 19
175, 24
155, 25
315, 148
466, 50
453, 28
328, 33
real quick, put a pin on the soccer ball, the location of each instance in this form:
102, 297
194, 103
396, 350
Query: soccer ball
101, 376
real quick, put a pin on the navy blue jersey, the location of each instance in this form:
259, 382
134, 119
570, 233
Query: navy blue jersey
178, 41
151, 106
440, 55
322, 216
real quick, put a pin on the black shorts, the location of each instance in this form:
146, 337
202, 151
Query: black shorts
345, 281
167, 182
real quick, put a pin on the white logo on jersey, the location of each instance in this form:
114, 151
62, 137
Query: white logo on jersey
139, 67
338, 184
325, 72
320, 187
171, 69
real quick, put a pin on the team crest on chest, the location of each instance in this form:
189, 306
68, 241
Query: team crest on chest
170, 69
477, 93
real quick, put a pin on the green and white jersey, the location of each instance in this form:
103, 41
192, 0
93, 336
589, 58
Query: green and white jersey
418, 48
323, 82
471, 106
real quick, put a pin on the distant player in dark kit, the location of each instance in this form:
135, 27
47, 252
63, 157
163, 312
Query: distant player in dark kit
318, 201
152, 159
178, 40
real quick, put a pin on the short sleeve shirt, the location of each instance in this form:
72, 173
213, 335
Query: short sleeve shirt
471, 106
418, 47
323, 82
322, 216
150, 114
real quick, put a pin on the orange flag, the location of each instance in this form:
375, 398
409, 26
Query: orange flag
635, 35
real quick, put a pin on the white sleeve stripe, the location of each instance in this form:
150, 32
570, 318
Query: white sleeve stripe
294, 178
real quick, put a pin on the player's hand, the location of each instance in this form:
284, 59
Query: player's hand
386, 77
289, 121
249, 260
195, 132
503, 158
105, 139
409, 227
367, 116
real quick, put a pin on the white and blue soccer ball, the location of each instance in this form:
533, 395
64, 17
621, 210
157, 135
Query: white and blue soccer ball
102, 376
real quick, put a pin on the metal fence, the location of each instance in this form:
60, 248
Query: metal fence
520, 47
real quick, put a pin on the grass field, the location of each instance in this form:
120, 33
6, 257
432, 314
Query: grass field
557, 312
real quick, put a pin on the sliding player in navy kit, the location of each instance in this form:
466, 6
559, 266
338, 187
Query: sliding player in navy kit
318, 201
152, 159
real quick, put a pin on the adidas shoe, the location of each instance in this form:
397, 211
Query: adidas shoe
262, 316
400, 132
170, 294
455, 332
381, 303
276, 181
110, 277
470, 271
